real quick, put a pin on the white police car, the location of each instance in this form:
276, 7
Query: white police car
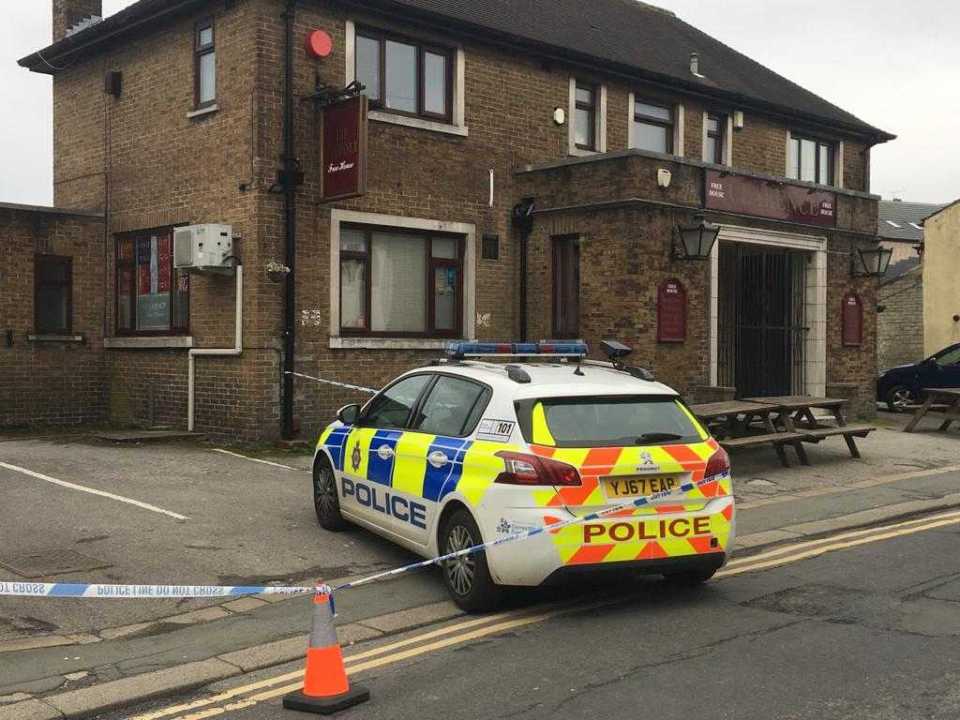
467, 451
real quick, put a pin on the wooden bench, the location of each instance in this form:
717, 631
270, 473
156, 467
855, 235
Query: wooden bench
777, 439
849, 432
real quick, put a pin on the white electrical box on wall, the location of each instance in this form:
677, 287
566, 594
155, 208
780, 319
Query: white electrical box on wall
203, 247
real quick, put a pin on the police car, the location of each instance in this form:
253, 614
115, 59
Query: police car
473, 449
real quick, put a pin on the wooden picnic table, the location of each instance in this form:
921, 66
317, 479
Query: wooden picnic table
730, 422
946, 400
797, 416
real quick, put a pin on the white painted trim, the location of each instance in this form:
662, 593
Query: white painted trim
679, 134
631, 133
786, 161
815, 372
148, 343
468, 230
358, 343
572, 148
728, 142
838, 165
602, 120
703, 136
203, 112
458, 126
418, 123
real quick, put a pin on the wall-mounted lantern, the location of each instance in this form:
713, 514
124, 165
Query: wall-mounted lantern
695, 242
870, 263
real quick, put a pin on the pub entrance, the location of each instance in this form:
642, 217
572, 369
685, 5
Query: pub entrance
761, 325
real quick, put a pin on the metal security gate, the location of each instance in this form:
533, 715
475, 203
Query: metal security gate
761, 324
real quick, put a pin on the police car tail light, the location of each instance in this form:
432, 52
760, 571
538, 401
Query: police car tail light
718, 464
523, 469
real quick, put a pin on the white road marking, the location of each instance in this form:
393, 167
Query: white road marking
92, 491
256, 460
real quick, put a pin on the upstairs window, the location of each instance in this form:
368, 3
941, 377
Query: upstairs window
585, 119
652, 127
811, 160
396, 283
205, 65
152, 297
713, 149
405, 77
53, 295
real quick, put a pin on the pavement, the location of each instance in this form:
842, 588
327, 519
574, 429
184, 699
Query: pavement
249, 519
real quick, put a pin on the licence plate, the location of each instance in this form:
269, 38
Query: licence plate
627, 487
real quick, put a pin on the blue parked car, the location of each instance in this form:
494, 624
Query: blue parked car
904, 385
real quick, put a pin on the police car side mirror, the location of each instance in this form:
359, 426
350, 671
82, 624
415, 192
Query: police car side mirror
349, 414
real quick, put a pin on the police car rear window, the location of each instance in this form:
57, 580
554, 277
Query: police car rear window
608, 422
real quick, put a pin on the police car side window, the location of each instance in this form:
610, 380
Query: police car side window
392, 407
453, 407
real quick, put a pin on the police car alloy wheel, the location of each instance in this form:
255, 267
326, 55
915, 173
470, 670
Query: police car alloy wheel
467, 577
325, 500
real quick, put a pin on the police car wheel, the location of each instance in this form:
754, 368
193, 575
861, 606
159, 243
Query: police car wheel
690, 578
325, 499
467, 578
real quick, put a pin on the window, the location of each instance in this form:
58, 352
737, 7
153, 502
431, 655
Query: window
652, 127
152, 297
948, 357
610, 422
396, 283
566, 287
453, 407
811, 160
713, 149
404, 76
53, 295
392, 407
585, 118
205, 65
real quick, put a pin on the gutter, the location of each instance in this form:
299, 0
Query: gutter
290, 224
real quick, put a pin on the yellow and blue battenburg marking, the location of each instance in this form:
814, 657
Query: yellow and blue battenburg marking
334, 439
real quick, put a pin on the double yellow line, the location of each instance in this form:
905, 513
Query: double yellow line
468, 630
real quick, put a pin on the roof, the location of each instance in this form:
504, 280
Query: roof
550, 379
46, 210
899, 220
899, 269
941, 208
617, 36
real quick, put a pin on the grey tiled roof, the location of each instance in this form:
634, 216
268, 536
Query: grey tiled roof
899, 220
618, 36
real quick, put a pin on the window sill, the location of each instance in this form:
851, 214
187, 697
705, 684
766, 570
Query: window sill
56, 338
376, 343
580, 152
148, 343
202, 112
418, 123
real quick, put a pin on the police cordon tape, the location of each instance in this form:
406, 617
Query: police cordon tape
158, 592
348, 386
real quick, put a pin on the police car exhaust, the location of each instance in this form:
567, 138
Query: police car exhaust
595, 466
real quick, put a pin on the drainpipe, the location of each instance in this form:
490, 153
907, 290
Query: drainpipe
290, 213
235, 351
523, 221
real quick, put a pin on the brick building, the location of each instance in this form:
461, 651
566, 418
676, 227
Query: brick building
528, 165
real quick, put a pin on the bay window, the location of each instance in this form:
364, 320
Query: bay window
152, 297
404, 76
400, 283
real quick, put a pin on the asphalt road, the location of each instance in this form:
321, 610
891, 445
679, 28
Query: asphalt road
865, 631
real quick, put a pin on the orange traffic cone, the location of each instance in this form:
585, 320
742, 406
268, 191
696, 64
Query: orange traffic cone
325, 687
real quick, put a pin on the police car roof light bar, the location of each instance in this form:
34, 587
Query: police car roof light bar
552, 348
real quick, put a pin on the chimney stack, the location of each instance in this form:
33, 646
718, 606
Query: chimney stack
695, 64
67, 13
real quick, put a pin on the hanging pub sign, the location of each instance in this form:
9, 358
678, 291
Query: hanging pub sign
344, 140
852, 320
671, 312
767, 199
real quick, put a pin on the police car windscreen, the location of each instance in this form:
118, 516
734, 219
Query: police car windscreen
617, 422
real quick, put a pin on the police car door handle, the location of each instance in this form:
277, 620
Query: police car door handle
438, 459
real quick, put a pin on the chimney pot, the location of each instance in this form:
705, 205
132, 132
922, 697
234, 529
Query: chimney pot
67, 13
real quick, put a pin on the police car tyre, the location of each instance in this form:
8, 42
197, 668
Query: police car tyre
468, 577
690, 578
325, 499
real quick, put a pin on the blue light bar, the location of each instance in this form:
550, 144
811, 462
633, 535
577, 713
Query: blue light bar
550, 348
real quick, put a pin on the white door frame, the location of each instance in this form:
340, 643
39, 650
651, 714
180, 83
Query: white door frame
815, 312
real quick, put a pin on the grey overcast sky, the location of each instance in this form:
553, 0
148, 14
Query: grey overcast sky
892, 63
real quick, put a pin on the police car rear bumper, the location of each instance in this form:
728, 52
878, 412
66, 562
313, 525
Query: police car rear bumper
665, 566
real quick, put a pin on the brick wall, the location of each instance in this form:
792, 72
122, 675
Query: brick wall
900, 325
44, 382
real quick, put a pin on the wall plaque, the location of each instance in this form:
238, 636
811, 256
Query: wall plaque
344, 134
768, 199
852, 320
671, 312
